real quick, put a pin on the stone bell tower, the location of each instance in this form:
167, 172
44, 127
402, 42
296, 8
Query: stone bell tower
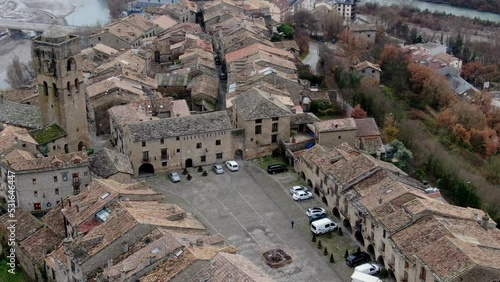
58, 65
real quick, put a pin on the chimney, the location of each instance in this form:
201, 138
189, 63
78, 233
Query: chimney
66, 243
110, 263
125, 247
485, 222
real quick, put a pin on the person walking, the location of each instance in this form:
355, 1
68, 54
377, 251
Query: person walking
293, 222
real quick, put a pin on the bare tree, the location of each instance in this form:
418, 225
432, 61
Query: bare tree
305, 19
19, 74
331, 25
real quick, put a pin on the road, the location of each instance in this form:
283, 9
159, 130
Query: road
253, 211
312, 57
33, 26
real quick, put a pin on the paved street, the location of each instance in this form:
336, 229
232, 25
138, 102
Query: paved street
312, 57
253, 211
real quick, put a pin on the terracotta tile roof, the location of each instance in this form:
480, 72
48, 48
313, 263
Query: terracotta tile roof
111, 84
257, 104
55, 220
303, 118
363, 65
225, 267
126, 114
57, 258
254, 48
371, 145
19, 160
105, 49
26, 224
164, 21
20, 95
366, 127
204, 87
171, 268
108, 162
180, 126
10, 133
39, 243
219, 8
335, 125
130, 28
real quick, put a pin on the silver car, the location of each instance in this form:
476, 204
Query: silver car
218, 169
174, 176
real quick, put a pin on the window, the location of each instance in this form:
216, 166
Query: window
98, 38
163, 164
275, 119
258, 121
198, 145
55, 178
37, 206
423, 273
76, 189
145, 156
177, 138
143, 143
33, 180
407, 264
162, 141
56, 191
275, 127
383, 233
203, 159
274, 138
340, 137
258, 129
218, 156
35, 193
217, 142
178, 150
164, 154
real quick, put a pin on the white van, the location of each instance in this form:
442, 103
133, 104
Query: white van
323, 226
368, 268
361, 277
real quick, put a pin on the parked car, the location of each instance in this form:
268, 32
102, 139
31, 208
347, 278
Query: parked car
302, 195
323, 226
218, 169
298, 188
368, 268
232, 165
174, 176
357, 259
276, 168
315, 217
315, 211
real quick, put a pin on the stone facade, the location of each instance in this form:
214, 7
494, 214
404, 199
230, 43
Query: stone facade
42, 183
58, 64
332, 133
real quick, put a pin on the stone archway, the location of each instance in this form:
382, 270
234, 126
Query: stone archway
380, 260
302, 175
359, 236
309, 183
146, 169
347, 225
80, 146
189, 163
238, 154
335, 212
371, 250
316, 191
324, 200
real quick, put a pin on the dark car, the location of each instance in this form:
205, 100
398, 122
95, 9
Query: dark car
316, 217
276, 168
223, 76
357, 259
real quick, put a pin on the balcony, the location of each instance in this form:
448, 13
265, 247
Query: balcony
76, 180
164, 158
146, 160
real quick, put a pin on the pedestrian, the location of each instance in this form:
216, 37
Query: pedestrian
293, 222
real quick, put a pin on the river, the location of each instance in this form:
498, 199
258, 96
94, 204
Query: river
88, 13
457, 11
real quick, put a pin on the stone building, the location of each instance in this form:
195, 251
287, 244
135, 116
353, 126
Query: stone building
57, 62
331, 133
113, 165
370, 70
264, 120
42, 182
364, 31
347, 8
177, 142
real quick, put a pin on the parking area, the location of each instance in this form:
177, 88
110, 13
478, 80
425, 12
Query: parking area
253, 211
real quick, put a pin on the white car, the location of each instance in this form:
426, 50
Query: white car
302, 195
174, 176
232, 165
298, 188
218, 169
315, 211
368, 268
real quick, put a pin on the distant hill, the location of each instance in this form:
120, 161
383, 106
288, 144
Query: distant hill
492, 6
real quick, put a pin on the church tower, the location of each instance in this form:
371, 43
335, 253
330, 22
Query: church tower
58, 65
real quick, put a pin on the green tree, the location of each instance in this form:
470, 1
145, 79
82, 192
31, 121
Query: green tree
287, 30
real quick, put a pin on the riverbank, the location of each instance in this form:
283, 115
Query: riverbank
478, 5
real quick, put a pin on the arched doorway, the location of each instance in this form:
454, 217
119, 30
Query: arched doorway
380, 260
316, 191
371, 250
302, 175
80, 146
238, 154
189, 163
309, 183
347, 225
324, 200
359, 236
336, 212
146, 169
